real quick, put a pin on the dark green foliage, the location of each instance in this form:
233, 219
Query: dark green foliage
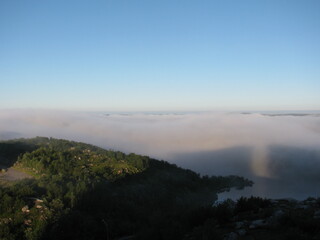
80, 191
206, 231
163, 202
10, 150
251, 204
301, 220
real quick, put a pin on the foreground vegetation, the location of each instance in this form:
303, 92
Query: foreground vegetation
257, 218
79, 191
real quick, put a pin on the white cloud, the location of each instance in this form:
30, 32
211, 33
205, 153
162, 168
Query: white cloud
164, 136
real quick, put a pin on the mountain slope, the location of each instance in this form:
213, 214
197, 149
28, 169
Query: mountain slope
84, 192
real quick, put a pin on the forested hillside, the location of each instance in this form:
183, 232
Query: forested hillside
79, 191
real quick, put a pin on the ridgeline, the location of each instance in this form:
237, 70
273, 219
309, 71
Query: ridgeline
71, 190
79, 191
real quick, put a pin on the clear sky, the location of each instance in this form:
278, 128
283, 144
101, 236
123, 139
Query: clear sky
160, 55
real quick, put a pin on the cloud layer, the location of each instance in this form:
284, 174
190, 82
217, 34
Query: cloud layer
161, 135
211, 143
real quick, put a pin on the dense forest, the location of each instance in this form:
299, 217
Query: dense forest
80, 191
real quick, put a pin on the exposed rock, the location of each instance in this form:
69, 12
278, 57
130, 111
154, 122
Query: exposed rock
217, 203
316, 214
25, 209
274, 220
231, 236
260, 223
242, 232
268, 219
5, 220
278, 213
303, 206
292, 200
311, 201
28, 222
240, 225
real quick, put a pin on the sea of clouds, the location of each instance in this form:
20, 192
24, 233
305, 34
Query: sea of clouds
256, 145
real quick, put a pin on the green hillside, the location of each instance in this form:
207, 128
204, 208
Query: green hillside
80, 191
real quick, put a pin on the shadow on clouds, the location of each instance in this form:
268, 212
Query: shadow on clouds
278, 171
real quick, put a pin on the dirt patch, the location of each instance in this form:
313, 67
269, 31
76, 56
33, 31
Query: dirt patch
13, 175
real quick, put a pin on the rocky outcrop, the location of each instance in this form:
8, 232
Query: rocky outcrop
280, 213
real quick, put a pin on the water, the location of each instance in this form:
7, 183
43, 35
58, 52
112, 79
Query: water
280, 171
275, 189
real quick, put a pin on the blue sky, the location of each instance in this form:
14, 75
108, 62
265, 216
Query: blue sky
160, 55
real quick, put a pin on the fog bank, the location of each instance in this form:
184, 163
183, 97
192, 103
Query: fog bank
253, 145
161, 135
